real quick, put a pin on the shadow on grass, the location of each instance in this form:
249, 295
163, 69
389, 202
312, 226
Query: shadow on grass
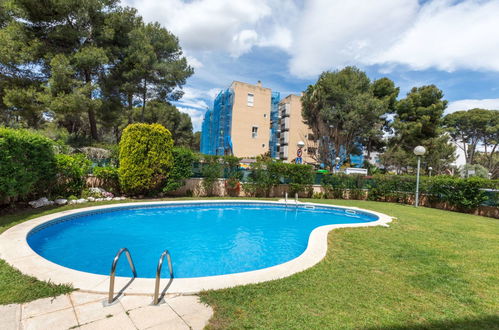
487, 322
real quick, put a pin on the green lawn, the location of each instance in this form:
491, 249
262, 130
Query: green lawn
431, 269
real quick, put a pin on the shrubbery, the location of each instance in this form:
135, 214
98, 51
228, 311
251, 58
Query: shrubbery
72, 172
145, 158
181, 169
27, 164
267, 175
109, 178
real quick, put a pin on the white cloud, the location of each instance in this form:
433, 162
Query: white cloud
194, 62
335, 33
209, 24
196, 117
489, 104
448, 36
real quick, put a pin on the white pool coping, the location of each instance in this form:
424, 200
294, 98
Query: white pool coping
14, 249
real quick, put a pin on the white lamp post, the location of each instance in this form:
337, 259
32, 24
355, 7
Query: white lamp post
430, 169
337, 159
418, 151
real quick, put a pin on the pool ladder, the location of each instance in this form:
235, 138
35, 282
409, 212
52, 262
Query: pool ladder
286, 199
112, 275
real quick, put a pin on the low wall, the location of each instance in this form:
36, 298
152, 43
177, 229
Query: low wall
194, 187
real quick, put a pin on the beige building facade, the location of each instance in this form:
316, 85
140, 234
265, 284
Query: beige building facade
250, 131
294, 130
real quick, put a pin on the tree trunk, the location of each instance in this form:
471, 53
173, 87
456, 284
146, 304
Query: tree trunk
91, 113
144, 95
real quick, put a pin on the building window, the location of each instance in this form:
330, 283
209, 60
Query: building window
251, 99
311, 137
254, 132
263, 145
264, 115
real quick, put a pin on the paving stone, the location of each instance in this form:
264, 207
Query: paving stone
10, 316
117, 322
96, 311
194, 313
59, 320
133, 302
45, 305
176, 324
80, 298
149, 316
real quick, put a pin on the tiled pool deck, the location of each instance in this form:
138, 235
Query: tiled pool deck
86, 311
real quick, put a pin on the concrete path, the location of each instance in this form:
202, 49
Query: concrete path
86, 311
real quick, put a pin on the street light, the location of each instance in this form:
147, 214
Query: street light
430, 169
337, 159
418, 151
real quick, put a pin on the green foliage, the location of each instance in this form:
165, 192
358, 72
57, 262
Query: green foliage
178, 123
109, 177
418, 121
212, 169
473, 127
27, 164
181, 169
145, 158
266, 175
347, 108
465, 194
72, 171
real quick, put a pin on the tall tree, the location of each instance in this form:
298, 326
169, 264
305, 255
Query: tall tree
418, 121
153, 67
178, 123
469, 129
343, 111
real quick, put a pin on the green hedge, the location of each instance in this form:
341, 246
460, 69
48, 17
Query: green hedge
464, 194
109, 177
145, 158
183, 159
266, 175
27, 164
72, 171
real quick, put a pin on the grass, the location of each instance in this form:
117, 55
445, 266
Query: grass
431, 269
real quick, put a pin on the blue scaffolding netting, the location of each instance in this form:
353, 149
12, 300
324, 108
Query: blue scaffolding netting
216, 127
274, 124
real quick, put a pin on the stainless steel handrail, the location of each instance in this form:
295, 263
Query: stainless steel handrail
113, 271
286, 199
158, 273
296, 199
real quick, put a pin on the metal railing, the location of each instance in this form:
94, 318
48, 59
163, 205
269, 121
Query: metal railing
113, 271
158, 273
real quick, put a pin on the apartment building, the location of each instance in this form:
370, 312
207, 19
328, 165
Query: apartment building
250, 120
239, 123
293, 130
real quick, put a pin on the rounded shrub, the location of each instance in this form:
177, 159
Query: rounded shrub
27, 164
145, 158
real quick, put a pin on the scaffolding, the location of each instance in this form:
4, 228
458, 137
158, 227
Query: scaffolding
217, 123
274, 125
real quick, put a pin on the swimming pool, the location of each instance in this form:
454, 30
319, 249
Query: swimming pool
204, 239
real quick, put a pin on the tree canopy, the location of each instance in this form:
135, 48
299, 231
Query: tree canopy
84, 64
345, 109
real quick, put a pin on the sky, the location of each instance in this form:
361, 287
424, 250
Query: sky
286, 44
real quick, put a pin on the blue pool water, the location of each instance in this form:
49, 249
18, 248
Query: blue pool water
203, 239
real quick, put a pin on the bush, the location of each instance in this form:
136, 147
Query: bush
145, 158
72, 172
181, 169
299, 177
109, 177
27, 164
465, 194
212, 170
